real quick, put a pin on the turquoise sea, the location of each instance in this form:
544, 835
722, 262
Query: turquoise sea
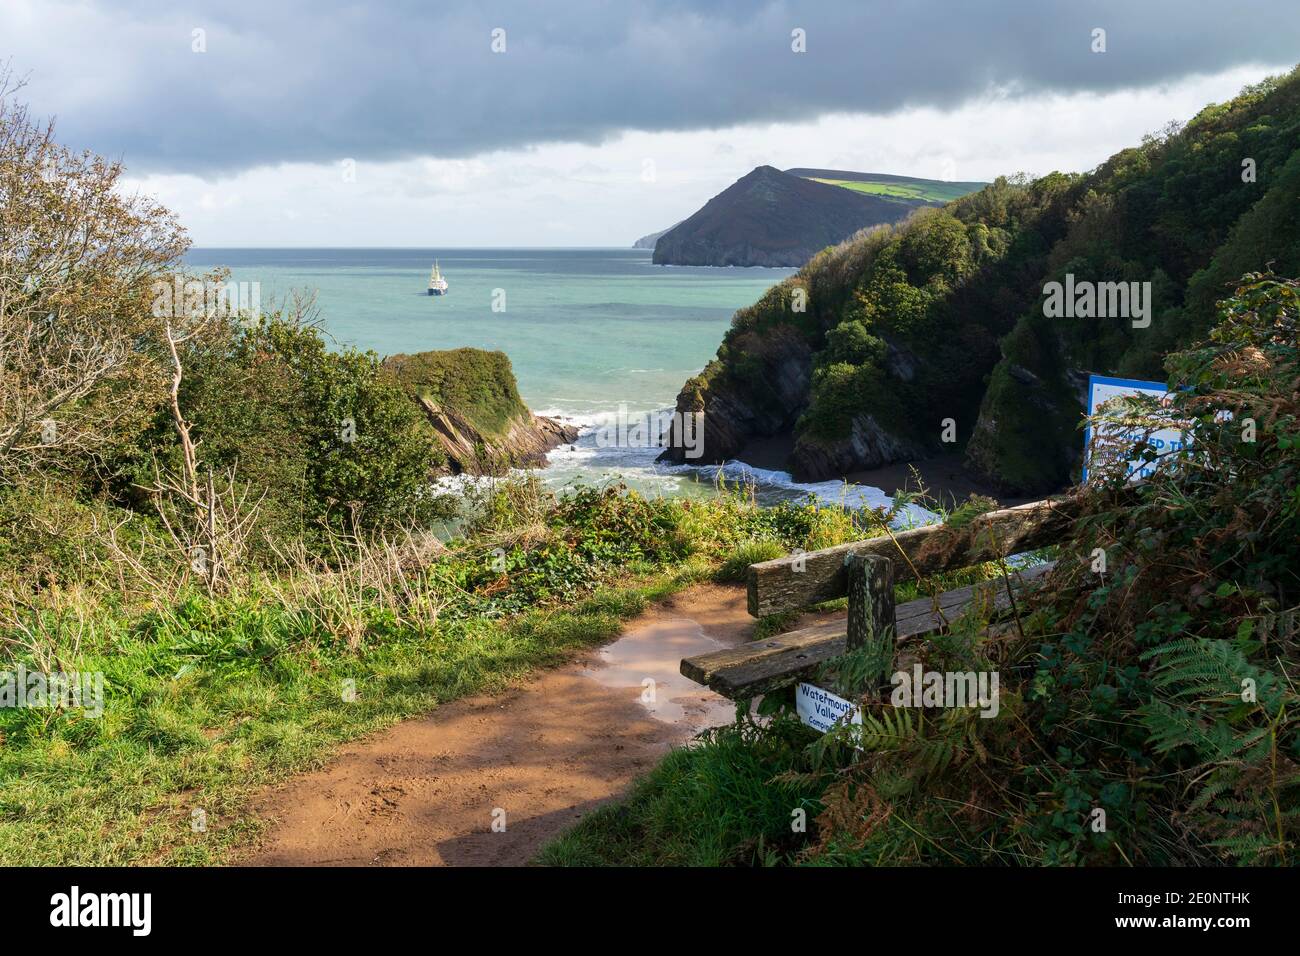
588, 331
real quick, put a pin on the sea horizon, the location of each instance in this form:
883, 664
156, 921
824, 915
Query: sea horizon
591, 332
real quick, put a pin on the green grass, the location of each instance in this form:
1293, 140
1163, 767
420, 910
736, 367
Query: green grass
716, 802
736, 566
932, 190
208, 698
206, 705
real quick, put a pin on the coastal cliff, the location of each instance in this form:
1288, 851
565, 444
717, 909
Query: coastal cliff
648, 242
770, 218
471, 402
930, 336
766, 400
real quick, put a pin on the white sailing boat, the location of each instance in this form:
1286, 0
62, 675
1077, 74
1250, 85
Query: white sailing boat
437, 284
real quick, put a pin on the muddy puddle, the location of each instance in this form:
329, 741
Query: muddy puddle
644, 665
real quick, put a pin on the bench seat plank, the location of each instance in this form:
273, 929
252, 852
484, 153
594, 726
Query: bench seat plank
761, 666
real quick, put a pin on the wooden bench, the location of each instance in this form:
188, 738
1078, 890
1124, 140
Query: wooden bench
866, 572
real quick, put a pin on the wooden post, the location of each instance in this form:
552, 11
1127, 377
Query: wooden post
871, 607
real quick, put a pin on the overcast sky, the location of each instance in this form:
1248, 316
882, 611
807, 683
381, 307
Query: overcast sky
473, 122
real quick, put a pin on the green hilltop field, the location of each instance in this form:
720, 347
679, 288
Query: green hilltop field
887, 186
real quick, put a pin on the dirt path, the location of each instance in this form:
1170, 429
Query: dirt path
425, 791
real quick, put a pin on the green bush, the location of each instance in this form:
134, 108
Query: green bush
322, 434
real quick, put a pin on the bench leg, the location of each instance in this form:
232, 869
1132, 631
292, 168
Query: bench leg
871, 607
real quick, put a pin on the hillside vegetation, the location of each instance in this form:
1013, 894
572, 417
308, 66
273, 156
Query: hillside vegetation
941, 317
480, 386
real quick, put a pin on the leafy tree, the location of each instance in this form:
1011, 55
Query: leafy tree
78, 337
851, 342
325, 435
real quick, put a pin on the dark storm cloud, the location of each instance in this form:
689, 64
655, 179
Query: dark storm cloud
293, 80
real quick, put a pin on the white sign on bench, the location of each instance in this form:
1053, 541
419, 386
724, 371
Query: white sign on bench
821, 710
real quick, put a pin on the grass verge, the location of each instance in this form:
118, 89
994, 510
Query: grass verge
720, 801
224, 697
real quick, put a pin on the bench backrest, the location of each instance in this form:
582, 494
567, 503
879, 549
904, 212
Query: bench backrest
796, 581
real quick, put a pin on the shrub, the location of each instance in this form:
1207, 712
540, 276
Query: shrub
322, 434
735, 566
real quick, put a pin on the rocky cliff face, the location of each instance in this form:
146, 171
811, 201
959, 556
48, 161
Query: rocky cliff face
867, 445
524, 443
472, 403
648, 242
770, 218
766, 401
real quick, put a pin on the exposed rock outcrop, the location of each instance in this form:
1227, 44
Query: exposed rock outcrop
472, 403
867, 445
766, 402
524, 443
